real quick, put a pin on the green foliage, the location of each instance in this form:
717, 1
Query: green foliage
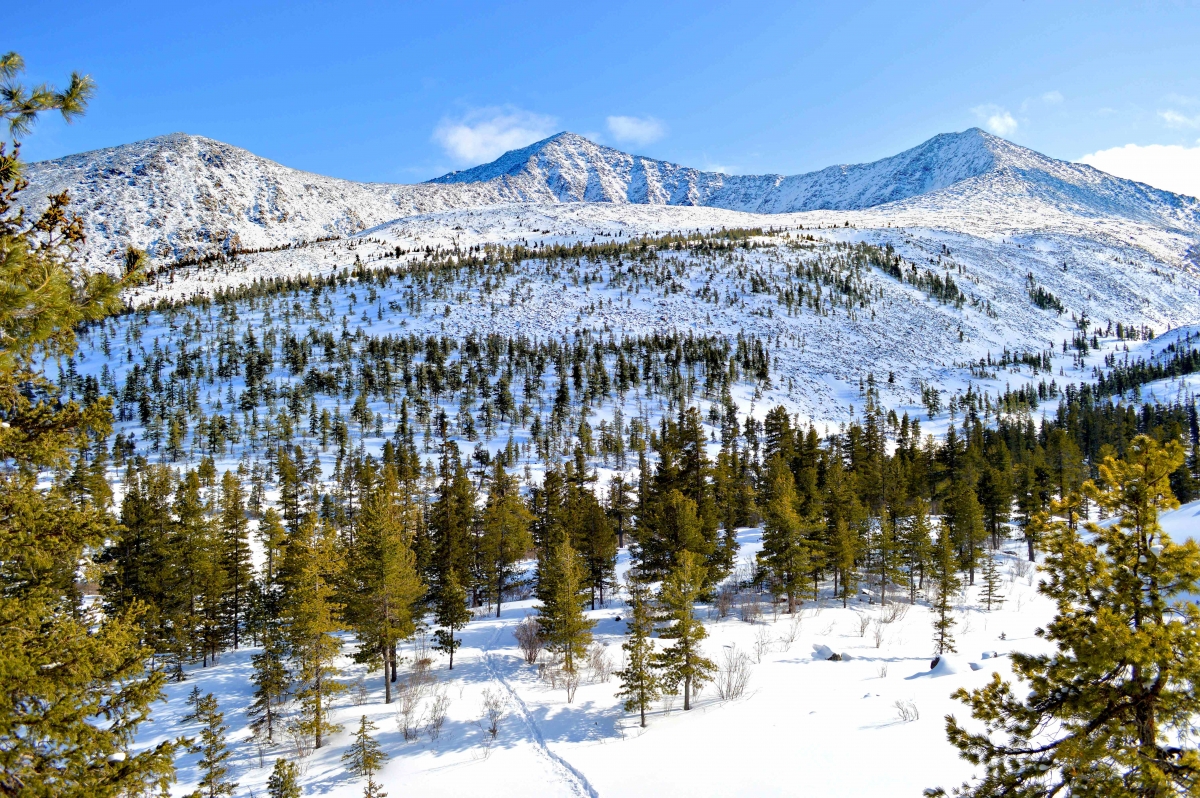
563, 626
943, 573
640, 683
214, 756
74, 686
506, 536
785, 550
381, 584
364, 758
452, 614
682, 662
284, 781
271, 682
310, 568
991, 582
1110, 713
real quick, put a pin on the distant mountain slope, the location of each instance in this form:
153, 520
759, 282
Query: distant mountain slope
181, 195
574, 169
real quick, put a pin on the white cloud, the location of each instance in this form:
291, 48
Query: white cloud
487, 133
1166, 166
996, 119
636, 130
1176, 119
1052, 97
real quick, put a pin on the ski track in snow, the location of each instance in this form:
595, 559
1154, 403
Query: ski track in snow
570, 775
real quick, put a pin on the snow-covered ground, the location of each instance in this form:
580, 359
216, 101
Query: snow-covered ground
804, 725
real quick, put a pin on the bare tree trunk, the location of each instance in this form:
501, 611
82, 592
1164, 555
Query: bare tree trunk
387, 683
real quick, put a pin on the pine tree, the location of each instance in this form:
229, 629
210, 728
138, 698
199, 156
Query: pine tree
452, 614
364, 758
75, 688
310, 570
965, 522
640, 684
1111, 711
271, 682
943, 572
381, 584
562, 623
213, 753
284, 781
990, 574
916, 547
785, 544
236, 545
594, 539
506, 536
682, 662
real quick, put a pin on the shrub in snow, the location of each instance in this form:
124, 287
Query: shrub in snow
733, 674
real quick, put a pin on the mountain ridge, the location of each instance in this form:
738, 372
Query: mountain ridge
182, 195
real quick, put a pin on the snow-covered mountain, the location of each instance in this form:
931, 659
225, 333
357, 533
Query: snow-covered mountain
181, 195
574, 169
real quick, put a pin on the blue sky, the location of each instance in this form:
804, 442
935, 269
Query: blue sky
404, 92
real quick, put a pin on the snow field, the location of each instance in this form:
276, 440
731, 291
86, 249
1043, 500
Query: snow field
804, 725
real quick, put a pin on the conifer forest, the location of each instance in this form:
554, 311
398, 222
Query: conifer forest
399, 512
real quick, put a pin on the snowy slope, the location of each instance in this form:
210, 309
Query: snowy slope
181, 195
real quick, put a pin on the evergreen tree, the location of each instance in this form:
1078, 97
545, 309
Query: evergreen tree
381, 585
885, 552
561, 621
1111, 711
311, 567
364, 758
75, 688
451, 523
785, 544
271, 682
594, 539
640, 684
236, 545
284, 781
844, 518
672, 526
506, 536
964, 519
452, 614
992, 580
214, 755
943, 572
916, 547
682, 662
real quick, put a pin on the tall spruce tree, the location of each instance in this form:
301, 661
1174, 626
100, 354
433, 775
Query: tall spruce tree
236, 544
1111, 712
381, 585
640, 683
75, 688
943, 572
785, 535
451, 613
593, 537
563, 625
311, 568
506, 537
271, 682
683, 662
916, 547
